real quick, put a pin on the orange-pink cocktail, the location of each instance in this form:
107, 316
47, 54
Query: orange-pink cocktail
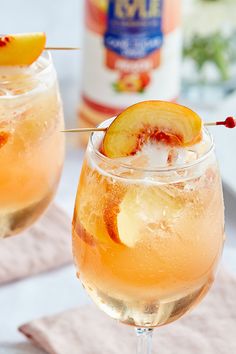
31, 144
147, 239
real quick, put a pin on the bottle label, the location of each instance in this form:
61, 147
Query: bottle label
132, 53
134, 29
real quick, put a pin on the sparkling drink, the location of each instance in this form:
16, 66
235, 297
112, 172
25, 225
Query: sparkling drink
147, 239
31, 145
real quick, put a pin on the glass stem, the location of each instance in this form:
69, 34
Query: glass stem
144, 345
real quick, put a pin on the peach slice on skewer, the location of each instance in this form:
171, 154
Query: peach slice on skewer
151, 120
21, 49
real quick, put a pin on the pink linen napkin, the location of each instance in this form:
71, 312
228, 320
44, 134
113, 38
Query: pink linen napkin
43, 247
209, 329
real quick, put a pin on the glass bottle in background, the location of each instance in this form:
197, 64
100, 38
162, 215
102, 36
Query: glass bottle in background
131, 53
209, 67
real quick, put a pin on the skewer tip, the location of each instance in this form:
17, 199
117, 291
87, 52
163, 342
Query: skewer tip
62, 48
230, 122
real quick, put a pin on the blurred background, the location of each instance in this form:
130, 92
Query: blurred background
208, 85
209, 46
209, 50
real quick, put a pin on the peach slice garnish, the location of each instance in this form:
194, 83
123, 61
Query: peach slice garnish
88, 220
143, 212
168, 122
80, 231
112, 209
21, 49
3, 138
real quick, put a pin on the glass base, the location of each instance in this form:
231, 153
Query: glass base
144, 345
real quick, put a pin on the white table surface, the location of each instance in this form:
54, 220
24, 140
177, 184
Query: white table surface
59, 290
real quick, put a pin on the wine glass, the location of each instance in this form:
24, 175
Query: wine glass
31, 145
147, 241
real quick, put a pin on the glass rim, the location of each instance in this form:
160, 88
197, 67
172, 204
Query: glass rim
41, 71
157, 169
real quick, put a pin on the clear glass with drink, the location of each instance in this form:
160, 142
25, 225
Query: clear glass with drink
31, 145
148, 231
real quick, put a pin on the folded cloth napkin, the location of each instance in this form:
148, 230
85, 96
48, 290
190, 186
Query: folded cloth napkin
209, 329
45, 246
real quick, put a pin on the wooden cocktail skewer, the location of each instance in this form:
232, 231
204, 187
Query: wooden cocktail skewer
62, 48
83, 130
230, 122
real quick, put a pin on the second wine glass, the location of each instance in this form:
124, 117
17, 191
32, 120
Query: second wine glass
31, 145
